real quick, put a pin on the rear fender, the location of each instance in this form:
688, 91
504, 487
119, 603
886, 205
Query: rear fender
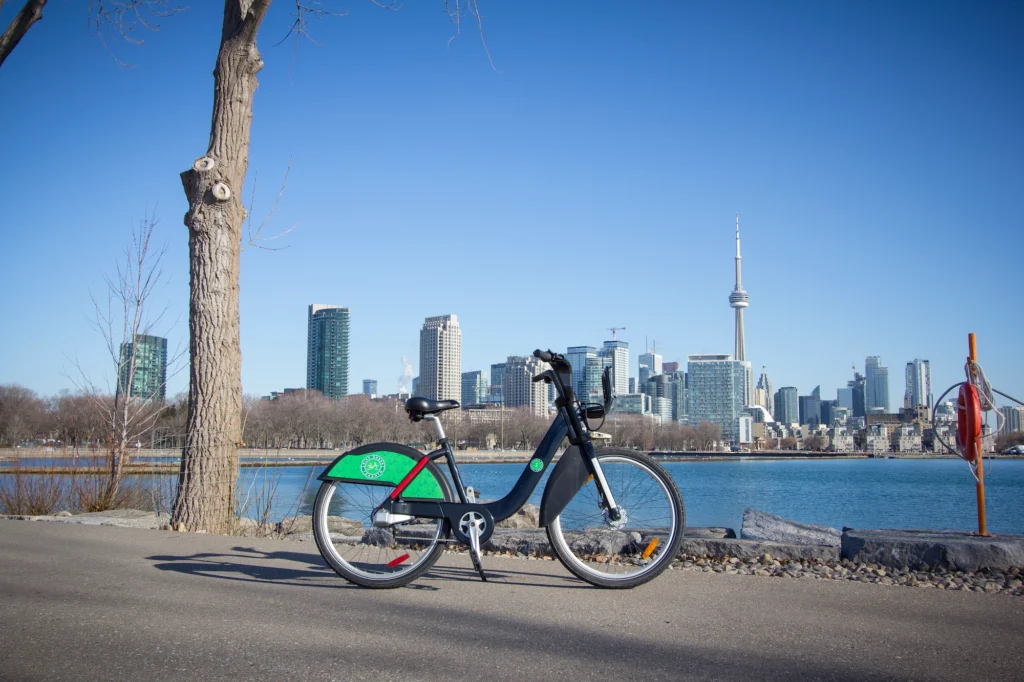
385, 464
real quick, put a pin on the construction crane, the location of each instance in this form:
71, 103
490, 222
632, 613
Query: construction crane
615, 329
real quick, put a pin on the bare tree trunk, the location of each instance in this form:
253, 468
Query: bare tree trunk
19, 26
213, 186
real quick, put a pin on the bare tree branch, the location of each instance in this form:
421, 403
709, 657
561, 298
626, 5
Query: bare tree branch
254, 237
119, 18
30, 13
456, 9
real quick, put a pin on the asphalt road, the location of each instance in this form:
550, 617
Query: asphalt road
101, 603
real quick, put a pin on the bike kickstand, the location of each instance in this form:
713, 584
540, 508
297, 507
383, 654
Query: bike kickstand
474, 550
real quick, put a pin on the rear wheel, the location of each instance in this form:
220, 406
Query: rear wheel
373, 556
638, 546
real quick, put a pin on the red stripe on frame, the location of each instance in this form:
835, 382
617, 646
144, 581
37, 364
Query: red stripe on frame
408, 478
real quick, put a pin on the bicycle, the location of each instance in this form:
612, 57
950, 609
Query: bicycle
614, 517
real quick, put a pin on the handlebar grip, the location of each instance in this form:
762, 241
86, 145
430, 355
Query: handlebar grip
544, 355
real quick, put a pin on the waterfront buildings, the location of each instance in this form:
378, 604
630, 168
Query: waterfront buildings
719, 387
591, 390
919, 384
767, 396
1013, 419
474, 387
327, 350
787, 406
810, 407
497, 392
669, 367
520, 389
441, 358
142, 368
577, 357
877, 396
649, 364
370, 387
618, 353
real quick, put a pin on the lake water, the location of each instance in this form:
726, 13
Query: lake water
860, 493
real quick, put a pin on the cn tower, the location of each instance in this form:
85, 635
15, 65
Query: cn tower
739, 300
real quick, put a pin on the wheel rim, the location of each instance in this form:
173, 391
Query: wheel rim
589, 538
368, 552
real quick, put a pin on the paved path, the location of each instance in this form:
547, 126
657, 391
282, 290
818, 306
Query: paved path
100, 603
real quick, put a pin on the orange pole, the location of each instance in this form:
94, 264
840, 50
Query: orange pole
980, 484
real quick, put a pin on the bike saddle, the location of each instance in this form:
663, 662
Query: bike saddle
418, 407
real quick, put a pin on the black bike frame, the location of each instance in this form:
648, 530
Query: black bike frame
566, 424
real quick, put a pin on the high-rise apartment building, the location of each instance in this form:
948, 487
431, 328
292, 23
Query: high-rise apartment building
497, 393
669, 367
919, 384
142, 368
577, 357
719, 387
441, 358
474, 387
857, 395
787, 405
520, 389
618, 352
370, 387
327, 350
877, 397
765, 385
1013, 419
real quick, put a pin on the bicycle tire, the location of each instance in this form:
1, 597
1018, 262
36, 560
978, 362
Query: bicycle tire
585, 540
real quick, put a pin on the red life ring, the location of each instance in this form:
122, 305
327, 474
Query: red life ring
968, 422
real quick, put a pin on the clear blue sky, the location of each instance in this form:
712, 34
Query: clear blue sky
873, 151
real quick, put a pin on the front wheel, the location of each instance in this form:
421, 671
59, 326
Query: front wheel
634, 548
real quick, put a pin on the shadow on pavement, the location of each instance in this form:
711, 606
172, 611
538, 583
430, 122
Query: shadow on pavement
240, 566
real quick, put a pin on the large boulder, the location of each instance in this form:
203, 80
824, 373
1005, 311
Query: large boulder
759, 525
527, 517
915, 549
755, 549
717, 533
606, 541
519, 541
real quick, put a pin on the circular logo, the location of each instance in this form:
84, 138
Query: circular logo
536, 464
372, 466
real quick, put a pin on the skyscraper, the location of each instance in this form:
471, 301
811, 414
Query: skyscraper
718, 391
497, 395
919, 384
739, 300
370, 387
577, 357
148, 378
809, 407
474, 387
618, 352
327, 350
765, 384
520, 389
787, 406
441, 358
649, 365
877, 396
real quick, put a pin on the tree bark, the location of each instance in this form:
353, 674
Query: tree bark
19, 26
213, 186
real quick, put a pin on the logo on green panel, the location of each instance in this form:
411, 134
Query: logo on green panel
372, 466
536, 464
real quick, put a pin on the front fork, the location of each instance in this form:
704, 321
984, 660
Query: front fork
602, 483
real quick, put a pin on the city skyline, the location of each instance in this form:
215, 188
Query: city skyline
858, 143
